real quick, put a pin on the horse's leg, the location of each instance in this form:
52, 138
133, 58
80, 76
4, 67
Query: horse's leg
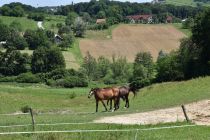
107, 103
116, 103
104, 105
96, 105
110, 105
127, 102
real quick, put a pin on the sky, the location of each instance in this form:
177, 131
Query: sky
39, 3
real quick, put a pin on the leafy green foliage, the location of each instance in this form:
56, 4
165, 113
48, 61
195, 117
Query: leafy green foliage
169, 68
143, 70
36, 39
45, 60
12, 62
201, 36
79, 27
71, 18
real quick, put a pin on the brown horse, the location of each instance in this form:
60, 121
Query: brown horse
105, 94
123, 93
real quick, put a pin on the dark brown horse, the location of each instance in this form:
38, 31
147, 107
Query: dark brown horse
123, 93
105, 94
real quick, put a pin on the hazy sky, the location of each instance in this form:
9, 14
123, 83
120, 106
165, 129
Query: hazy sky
37, 3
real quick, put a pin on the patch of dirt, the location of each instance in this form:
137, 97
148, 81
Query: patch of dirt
198, 112
128, 40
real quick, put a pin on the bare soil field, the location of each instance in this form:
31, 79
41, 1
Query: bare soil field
198, 112
128, 40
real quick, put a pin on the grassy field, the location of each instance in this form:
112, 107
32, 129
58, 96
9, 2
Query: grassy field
128, 40
185, 31
50, 22
72, 56
185, 3
44, 99
26, 23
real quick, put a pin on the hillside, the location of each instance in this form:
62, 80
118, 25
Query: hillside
62, 106
185, 3
127, 40
25, 22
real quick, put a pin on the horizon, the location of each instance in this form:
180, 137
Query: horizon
43, 3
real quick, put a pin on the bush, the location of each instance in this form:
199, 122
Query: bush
25, 109
8, 79
28, 78
71, 82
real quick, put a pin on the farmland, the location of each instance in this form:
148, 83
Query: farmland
64, 103
127, 40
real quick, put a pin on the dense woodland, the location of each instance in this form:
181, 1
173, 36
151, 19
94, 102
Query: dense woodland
47, 65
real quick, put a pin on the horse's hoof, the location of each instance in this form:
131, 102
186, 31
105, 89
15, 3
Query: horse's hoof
125, 107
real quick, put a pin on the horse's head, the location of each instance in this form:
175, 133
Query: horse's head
92, 91
133, 89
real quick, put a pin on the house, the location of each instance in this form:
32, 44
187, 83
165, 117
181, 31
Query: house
100, 21
157, 1
140, 18
169, 19
58, 39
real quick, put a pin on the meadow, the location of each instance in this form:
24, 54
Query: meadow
58, 105
25, 22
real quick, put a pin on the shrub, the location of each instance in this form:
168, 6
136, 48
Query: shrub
28, 78
71, 82
25, 109
8, 79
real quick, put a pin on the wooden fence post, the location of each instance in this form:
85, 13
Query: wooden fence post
32, 118
185, 114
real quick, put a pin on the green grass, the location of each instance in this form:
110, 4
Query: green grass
185, 3
185, 31
100, 34
188, 133
26, 23
44, 99
75, 50
52, 20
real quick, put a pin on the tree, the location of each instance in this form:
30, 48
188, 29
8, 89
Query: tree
79, 27
120, 70
16, 25
12, 62
143, 70
188, 23
36, 39
16, 41
68, 40
103, 66
169, 68
71, 18
64, 30
46, 60
90, 66
5, 32
201, 36
17, 11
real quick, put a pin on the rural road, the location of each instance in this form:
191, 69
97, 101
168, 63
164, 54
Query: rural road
39, 24
198, 112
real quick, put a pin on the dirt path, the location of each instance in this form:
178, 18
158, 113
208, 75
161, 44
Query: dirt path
198, 112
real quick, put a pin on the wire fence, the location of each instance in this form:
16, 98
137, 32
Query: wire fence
104, 130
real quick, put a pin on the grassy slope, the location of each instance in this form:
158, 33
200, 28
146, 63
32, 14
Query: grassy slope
185, 2
26, 23
45, 99
53, 20
185, 31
